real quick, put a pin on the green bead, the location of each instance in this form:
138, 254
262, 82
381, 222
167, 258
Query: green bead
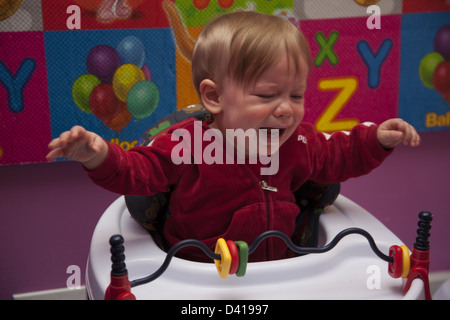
243, 258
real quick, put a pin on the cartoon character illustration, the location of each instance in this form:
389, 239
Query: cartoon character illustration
202, 4
184, 41
110, 9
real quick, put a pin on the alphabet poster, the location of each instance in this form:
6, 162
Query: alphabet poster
117, 66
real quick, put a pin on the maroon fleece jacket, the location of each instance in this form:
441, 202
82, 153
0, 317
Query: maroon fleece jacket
211, 201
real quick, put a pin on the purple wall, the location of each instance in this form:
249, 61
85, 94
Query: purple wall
409, 181
49, 211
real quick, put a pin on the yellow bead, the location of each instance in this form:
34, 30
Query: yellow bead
223, 265
406, 261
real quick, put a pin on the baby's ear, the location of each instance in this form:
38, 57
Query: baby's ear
209, 95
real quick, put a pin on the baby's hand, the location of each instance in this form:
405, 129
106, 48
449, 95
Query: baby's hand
394, 131
80, 145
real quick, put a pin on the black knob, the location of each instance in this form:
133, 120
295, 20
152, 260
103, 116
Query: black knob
423, 231
117, 250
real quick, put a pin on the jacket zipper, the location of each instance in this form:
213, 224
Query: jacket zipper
265, 186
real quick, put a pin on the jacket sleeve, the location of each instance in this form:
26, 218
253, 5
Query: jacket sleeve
343, 155
139, 171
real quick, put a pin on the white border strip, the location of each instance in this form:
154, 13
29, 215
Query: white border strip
54, 294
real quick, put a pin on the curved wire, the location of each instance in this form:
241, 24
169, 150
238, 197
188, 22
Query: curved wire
328, 247
169, 256
255, 244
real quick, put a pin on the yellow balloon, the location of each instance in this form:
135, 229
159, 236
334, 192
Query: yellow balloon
125, 77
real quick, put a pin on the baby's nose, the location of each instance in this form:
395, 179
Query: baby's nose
284, 109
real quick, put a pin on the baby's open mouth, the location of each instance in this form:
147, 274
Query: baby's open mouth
272, 132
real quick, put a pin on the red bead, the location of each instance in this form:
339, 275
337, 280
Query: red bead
395, 268
234, 256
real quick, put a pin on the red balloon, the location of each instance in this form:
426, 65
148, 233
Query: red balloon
441, 77
447, 97
121, 119
103, 102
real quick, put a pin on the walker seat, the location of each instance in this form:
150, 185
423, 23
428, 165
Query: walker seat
349, 271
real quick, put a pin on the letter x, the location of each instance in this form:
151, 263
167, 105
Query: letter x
326, 48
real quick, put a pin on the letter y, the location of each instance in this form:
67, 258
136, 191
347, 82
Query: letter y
15, 84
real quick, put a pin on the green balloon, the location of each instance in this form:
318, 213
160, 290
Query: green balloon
143, 99
81, 90
427, 66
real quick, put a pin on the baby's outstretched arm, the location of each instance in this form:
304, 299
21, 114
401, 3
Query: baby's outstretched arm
80, 145
394, 131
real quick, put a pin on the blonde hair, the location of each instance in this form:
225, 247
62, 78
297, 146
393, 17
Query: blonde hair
243, 45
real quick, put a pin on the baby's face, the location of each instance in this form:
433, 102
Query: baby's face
275, 101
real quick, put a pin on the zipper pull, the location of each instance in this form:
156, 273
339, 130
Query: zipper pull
265, 186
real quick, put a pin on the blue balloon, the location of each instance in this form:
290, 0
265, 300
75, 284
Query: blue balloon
131, 50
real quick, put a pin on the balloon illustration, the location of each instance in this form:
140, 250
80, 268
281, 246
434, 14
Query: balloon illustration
131, 50
143, 99
119, 122
147, 74
81, 90
427, 66
102, 62
103, 102
125, 78
434, 68
118, 85
442, 42
441, 79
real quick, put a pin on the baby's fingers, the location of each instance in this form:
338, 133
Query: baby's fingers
404, 128
55, 143
75, 133
410, 136
395, 131
67, 137
96, 144
415, 140
55, 153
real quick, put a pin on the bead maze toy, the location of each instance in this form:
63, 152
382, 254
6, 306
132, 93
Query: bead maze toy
339, 268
